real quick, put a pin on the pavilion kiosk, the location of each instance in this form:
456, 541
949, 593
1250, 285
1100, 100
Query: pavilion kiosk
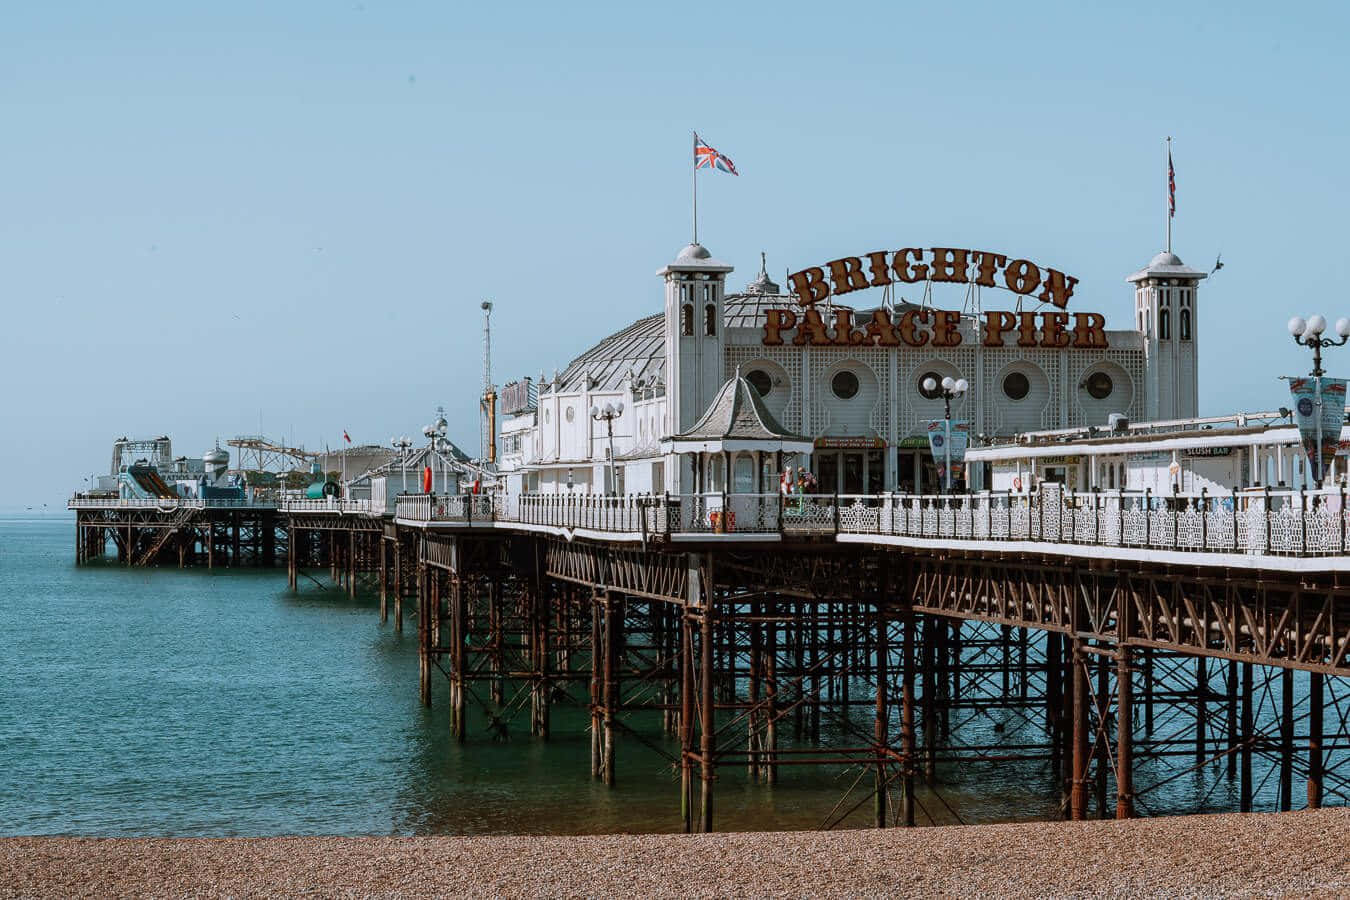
736, 452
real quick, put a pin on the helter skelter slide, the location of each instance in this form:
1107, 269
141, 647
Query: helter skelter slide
146, 483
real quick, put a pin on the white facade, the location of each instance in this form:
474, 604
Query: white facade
1216, 455
861, 404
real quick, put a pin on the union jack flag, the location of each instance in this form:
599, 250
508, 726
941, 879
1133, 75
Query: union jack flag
706, 157
1171, 187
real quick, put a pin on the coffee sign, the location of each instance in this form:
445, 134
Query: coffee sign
939, 264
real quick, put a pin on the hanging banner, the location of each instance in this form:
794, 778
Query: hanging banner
1319, 419
937, 440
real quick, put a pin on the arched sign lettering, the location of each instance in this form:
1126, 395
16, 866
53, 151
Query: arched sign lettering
920, 326
939, 264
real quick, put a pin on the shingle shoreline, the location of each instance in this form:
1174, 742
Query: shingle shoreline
1299, 854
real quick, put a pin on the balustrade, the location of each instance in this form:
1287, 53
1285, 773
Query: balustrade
1292, 523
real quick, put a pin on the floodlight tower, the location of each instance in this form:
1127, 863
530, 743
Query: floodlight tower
487, 433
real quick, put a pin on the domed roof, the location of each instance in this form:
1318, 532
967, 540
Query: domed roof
695, 258
638, 350
1167, 265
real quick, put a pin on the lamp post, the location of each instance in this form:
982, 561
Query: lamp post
440, 446
608, 414
401, 444
1308, 333
951, 388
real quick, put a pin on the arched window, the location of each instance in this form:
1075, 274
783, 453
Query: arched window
1184, 324
710, 320
1164, 324
687, 320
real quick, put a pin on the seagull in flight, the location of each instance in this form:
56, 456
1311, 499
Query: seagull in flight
1218, 263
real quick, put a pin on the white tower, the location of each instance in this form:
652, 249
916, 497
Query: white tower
1165, 312
695, 284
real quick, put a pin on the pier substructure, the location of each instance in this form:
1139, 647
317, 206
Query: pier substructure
186, 536
1085, 688
349, 547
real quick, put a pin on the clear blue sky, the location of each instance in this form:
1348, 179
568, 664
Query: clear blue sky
213, 215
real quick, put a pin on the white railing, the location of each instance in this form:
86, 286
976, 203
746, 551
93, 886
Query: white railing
1287, 523
166, 504
327, 505
1284, 522
466, 508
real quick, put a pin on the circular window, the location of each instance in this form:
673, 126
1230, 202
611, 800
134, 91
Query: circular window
844, 384
1099, 385
760, 381
936, 392
1016, 386
570, 414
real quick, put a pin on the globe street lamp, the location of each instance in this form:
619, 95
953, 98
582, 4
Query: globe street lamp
608, 414
951, 388
1308, 333
435, 435
402, 444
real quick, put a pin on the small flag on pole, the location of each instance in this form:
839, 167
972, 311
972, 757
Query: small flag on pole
706, 157
1171, 187
345, 436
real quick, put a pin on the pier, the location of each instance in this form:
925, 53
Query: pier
1123, 639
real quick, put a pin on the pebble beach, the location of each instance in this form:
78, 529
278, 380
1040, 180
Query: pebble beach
1298, 854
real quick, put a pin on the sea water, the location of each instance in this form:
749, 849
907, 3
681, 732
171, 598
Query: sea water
211, 703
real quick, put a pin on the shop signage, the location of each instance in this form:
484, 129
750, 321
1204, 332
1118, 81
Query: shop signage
933, 264
850, 443
914, 443
1208, 451
920, 326
1057, 460
518, 397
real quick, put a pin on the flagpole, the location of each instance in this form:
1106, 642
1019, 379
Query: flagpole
693, 173
1168, 188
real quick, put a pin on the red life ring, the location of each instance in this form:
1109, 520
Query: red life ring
1017, 483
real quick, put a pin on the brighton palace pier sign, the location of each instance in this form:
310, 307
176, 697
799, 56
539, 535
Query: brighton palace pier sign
917, 326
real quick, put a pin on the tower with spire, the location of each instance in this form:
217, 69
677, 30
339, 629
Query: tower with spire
695, 285
1165, 313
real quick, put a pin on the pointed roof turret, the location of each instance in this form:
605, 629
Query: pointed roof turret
738, 420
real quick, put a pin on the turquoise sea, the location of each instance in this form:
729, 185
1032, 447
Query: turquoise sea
167, 702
